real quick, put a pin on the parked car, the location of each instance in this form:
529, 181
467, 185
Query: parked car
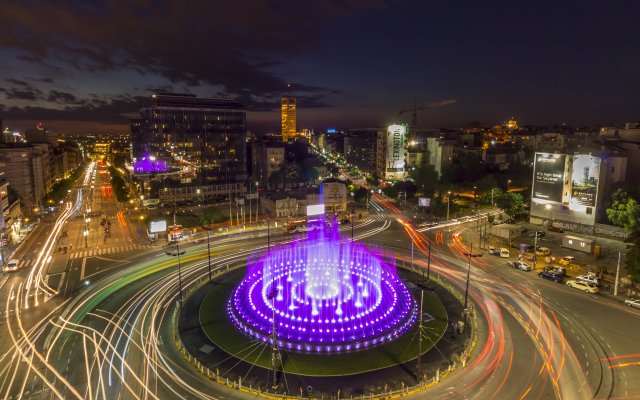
543, 251
556, 229
589, 278
521, 265
550, 276
494, 251
504, 252
557, 270
632, 303
584, 286
12, 266
567, 260
540, 234
524, 230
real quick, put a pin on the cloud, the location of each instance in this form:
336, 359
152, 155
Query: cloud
441, 103
61, 97
26, 93
17, 82
234, 45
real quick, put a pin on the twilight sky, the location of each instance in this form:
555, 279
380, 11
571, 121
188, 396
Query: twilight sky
82, 65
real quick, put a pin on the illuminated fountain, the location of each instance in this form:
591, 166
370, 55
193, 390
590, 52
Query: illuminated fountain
327, 295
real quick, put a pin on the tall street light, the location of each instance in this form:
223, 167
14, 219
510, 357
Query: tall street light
352, 223
466, 291
548, 208
448, 203
208, 228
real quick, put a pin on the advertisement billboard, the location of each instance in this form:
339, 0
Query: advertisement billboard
584, 180
316, 209
424, 202
394, 166
158, 226
548, 176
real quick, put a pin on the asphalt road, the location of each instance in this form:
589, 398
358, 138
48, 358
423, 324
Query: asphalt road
113, 338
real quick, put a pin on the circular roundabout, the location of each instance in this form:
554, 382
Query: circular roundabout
322, 312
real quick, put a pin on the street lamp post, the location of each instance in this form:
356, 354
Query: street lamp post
208, 228
352, 223
548, 208
466, 291
448, 203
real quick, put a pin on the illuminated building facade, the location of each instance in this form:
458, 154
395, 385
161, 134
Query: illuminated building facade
204, 137
288, 117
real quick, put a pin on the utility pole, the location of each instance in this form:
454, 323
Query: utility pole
412, 255
269, 233
2, 264
178, 254
535, 250
429, 256
466, 291
209, 250
615, 287
275, 353
352, 224
420, 332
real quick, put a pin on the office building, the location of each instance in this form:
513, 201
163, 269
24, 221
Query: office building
288, 118
365, 148
185, 140
27, 168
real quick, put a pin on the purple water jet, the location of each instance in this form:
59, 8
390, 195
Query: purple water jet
328, 295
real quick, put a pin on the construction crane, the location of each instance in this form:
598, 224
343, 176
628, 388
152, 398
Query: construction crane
422, 107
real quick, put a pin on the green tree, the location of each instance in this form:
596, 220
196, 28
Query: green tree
633, 262
211, 216
276, 178
310, 174
485, 184
291, 172
360, 195
373, 179
512, 204
426, 179
624, 211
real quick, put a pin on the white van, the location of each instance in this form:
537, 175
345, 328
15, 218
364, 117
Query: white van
504, 252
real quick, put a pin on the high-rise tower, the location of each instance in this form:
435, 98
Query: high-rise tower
288, 116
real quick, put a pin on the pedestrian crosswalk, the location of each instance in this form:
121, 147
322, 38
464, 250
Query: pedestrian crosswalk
107, 251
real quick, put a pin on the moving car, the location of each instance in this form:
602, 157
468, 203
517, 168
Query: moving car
567, 260
589, 278
550, 276
540, 234
584, 286
12, 266
504, 252
632, 303
494, 251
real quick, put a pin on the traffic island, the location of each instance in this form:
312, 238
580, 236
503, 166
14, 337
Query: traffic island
210, 339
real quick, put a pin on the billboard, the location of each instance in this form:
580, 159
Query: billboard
316, 209
158, 226
584, 181
424, 202
394, 166
548, 176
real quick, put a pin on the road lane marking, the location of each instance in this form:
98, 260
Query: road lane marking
84, 264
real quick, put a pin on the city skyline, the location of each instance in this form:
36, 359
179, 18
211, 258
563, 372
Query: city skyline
349, 64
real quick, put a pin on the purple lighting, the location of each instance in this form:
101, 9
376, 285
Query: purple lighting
149, 164
332, 296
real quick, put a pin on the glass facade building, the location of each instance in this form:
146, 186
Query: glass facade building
195, 140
